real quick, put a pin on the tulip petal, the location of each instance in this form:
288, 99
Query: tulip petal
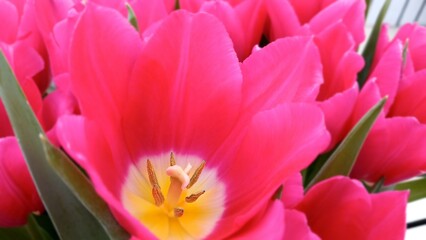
395, 149
287, 70
187, 92
19, 195
269, 223
9, 20
283, 19
296, 226
299, 131
411, 99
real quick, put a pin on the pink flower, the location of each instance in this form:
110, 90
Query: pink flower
173, 138
395, 147
341, 208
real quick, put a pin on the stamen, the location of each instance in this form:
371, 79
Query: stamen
178, 212
193, 197
158, 195
172, 159
196, 175
151, 174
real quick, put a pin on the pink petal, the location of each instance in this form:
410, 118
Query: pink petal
388, 73
415, 35
268, 223
337, 112
283, 19
191, 5
395, 149
296, 226
299, 131
293, 191
287, 70
148, 12
382, 44
411, 99
341, 203
19, 195
352, 212
9, 21
340, 61
187, 93
103, 51
351, 13
55, 105
388, 219
306, 10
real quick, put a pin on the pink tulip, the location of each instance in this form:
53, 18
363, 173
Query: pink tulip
179, 100
395, 148
341, 208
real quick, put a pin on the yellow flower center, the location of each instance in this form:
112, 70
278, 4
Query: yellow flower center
171, 201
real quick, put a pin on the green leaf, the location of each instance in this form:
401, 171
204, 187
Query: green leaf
417, 188
70, 218
31, 231
367, 9
131, 17
343, 158
83, 189
370, 47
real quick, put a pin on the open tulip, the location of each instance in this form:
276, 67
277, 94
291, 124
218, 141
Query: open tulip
163, 135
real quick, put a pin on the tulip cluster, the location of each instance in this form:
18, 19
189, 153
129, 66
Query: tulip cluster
197, 119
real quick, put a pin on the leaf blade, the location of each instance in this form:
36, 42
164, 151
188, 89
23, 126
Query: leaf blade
344, 157
63, 207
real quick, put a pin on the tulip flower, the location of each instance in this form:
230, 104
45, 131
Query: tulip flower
174, 138
341, 208
394, 149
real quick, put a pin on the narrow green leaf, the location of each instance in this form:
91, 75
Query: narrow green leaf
417, 189
367, 9
30, 231
131, 17
343, 158
83, 189
70, 218
370, 47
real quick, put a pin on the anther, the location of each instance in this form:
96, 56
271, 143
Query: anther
193, 197
196, 175
158, 195
151, 174
178, 212
172, 159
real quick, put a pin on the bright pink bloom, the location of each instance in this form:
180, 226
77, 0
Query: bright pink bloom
341, 208
395, 147
182, 91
